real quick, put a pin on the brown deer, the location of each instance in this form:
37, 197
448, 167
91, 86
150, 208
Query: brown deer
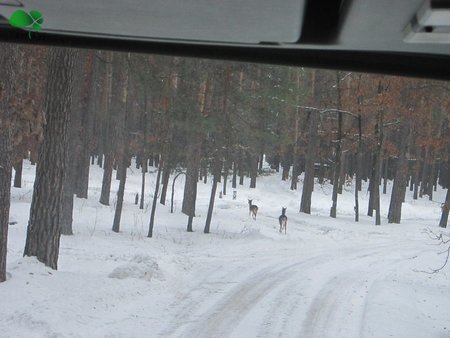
252, 209
445, 206
283, 220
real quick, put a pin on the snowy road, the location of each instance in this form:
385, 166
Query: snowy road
322, 295
324, 278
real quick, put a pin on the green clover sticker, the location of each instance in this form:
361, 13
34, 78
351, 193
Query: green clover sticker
22, 19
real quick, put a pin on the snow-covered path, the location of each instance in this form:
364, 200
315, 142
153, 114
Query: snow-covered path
325, 278
319, 295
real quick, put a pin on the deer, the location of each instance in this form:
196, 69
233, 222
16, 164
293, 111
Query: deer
283, 220
252, 209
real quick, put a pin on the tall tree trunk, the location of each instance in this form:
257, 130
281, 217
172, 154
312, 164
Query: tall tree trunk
241, 169
155, 199
165, 182
119, 101
120, 193
74, 145
308, 182
7, 84
399, 186
144, 170
108, 137
225, 177
337, 167
68, 192
370, 206
5, 185
233, 181
216, 174
87, 108
445, 210
343, 171
295, 169
190, 185
377, 170
425, 169
417, 166
385, 173
5, 191
358, 158
67, 211
253, 162
44, 230
431, 180
18, 174
106, 181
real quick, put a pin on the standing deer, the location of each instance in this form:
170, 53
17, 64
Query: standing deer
252, 209
283, 220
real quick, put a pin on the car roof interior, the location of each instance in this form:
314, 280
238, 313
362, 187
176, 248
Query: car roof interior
404, 37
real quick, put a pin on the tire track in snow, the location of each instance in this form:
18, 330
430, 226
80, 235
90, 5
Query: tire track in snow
291, 308
204, 291
230, 308
343, 297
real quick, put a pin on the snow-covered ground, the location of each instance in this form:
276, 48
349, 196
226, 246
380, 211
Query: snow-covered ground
324, 278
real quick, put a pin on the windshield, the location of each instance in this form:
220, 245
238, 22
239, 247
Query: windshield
160, 196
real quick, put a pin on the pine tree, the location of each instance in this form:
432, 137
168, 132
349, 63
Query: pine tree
44, 228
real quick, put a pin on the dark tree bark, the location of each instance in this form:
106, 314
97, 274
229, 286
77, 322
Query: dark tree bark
88, 93
253, 162
155, 200
241, 169
377, 170
165, 182
295, 164
431, 180
44, 228
67, 212
385, 174
358, 158
225, 177
342, 172
399, 186
18, 174
216, 174
308, 183
234, 179
425, 173
106, 181
120, 193
5, 192
337, 167
7, 87
370, 206
100, 160
144, 170
108, 136
69, 188
445, 209
190, 185
119, 101
74, 145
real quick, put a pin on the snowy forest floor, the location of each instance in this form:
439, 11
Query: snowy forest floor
325, 278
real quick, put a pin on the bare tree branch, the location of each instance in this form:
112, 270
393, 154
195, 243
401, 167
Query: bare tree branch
441, 241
